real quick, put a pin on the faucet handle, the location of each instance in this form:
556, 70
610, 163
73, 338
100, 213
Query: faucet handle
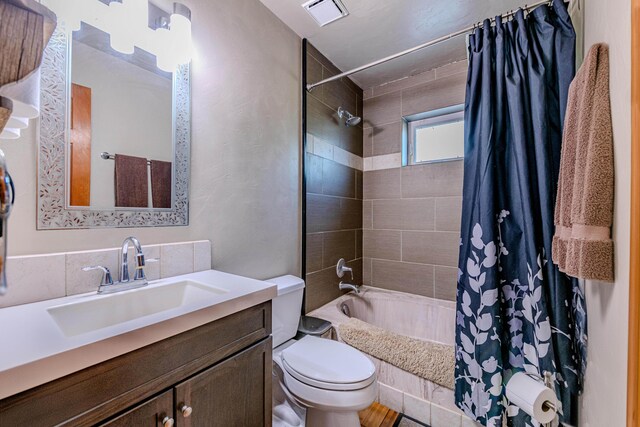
342, 268
106, 274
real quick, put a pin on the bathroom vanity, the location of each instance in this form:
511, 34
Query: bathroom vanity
215, 372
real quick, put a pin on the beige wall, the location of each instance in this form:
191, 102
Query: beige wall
604, 399
411, 214
244, 157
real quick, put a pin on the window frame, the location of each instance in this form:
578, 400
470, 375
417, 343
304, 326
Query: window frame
434, 118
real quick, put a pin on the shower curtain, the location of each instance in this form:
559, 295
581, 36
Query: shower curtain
515, 310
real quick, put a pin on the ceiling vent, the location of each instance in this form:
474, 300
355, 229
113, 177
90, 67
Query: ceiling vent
325, 11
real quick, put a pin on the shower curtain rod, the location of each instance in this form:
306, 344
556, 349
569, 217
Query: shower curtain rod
310, 87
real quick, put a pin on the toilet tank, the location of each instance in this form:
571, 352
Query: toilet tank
286, 308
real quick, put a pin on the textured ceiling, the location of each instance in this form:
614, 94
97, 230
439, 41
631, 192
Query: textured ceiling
378, 28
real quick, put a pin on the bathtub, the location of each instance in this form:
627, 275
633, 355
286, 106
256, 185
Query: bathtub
412, 315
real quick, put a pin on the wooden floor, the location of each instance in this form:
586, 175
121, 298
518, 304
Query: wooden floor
378, 415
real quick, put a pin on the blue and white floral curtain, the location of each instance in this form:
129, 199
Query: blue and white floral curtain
515, 310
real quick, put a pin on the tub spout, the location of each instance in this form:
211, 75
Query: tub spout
349, 287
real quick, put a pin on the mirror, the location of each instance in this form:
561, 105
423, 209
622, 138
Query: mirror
114, 151
121, 107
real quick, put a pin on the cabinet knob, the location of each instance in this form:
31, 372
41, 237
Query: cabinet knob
186, 410
168, 422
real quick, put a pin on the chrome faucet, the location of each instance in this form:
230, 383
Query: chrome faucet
107, 285
342, 268
349, 287
124, 266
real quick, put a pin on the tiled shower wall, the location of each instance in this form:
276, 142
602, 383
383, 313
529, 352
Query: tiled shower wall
411, 214
334, 182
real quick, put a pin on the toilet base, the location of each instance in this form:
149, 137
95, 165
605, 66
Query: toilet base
318, 418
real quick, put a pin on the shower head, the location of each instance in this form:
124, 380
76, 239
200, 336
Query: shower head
353, 121
349, 119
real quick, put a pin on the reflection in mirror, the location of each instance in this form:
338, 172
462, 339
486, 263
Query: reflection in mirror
120, 137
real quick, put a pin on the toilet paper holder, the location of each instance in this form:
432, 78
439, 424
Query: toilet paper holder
547, 379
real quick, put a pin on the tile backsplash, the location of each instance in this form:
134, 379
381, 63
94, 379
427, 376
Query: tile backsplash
40, 277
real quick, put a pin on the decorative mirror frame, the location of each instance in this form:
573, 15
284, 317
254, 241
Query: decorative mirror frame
53, 213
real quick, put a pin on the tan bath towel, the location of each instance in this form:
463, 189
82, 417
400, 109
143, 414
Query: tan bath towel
430, 360
582, 245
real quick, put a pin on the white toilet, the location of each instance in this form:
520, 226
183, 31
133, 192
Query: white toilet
329, 379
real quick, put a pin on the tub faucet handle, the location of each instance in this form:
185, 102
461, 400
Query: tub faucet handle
342, 268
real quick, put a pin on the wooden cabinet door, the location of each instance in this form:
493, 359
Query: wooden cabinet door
234, 393
153, 413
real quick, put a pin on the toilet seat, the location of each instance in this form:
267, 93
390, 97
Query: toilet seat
328, 365
330, 400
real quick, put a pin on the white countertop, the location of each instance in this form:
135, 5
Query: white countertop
34, 350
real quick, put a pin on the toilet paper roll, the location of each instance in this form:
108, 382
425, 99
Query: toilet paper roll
530, 395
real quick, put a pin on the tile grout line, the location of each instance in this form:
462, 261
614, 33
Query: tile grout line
413, 86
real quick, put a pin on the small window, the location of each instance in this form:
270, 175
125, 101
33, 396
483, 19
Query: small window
436, 138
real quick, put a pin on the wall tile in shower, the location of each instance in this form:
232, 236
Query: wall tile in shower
367, 214
448, 213
314, 251
419, 200
445, 282
433, 95
382, 244
407, 82
338, 180
387, 139
433, 180
321, 213
338, 244
404, 214
435, 248
383, 109
350, 214
382, 184
313, 172
334, 211
453, 68
403, 277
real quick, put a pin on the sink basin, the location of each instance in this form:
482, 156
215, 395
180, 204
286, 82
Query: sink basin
85, 316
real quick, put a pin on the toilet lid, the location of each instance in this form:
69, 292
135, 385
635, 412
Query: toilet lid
328, 364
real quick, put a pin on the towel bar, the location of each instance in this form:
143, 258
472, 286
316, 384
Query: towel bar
106, 156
